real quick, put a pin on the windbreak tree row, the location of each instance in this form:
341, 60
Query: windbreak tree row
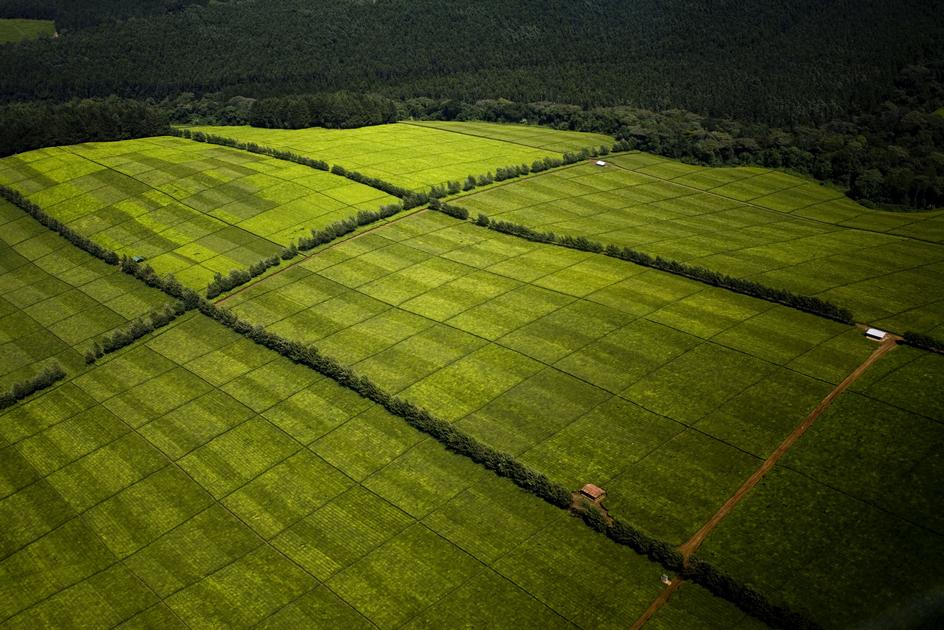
48, 376
137, 328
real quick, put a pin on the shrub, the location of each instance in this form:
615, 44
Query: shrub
593, 517
453, 211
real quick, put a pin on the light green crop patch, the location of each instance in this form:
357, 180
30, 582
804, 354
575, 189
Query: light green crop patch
188, 208
56, 299
562, 568
418, 155
404, 576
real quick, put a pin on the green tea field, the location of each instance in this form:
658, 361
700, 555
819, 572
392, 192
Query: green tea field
54, 300
15, 30
190, 209
211, 473
768, 226
418, 155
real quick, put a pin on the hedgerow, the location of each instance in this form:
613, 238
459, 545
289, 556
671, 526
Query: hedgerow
252, 147
82, 242
236, 277
922, 341
22, 389
134, 330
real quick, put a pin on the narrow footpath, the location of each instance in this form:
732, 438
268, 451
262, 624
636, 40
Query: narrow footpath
692, 545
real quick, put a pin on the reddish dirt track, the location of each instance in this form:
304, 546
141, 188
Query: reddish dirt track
658, 602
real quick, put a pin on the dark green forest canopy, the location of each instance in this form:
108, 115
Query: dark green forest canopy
778, 62
75, 14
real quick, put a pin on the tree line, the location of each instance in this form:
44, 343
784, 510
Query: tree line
21, 389
923, 341
339, 110
236, 277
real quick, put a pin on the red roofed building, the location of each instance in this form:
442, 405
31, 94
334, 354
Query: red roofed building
593, 492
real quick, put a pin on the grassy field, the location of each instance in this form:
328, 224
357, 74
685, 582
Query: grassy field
15, 30
653, 379
765, 225
421, 154
195, 479
54, 300
191, 209
177, 483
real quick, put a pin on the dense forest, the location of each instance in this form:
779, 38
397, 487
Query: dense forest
804, 61
844, 91
76, 14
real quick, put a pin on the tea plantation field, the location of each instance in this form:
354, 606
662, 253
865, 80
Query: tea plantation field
191, 209
199, 480
665, 392
417, 155
864, 485
195, 478
780, 230
55, 299
15, 30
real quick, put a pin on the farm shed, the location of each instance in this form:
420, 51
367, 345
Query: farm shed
593, 492
875, 333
